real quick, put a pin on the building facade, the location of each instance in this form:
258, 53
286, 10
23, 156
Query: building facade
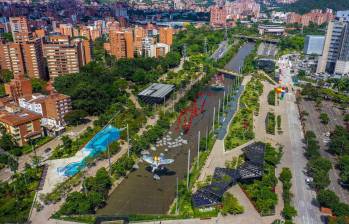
166, 36
23, 125
334, 59
20, 29
61, 59
121, 44
19, 87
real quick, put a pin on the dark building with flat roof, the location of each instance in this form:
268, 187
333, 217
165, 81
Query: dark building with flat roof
156, 93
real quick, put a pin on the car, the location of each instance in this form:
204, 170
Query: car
308, 180
47, 150
327, 134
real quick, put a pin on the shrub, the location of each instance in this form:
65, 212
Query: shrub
270, 123
278, 121
289, 212
324, 118
231, 205
271, 97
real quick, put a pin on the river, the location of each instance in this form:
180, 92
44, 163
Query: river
139, 193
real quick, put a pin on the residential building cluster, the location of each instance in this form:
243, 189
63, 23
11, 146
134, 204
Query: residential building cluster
232, 11
139, 41
316, 16
44, 56
27, 115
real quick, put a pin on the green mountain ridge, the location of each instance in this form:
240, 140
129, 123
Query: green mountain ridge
304, 6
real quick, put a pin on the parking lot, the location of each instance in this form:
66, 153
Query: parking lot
322, 131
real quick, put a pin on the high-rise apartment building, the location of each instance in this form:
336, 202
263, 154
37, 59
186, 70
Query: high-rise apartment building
66, 29
161, 49
11, 58
121, 44
61, 59
84, 48
148, 47
24, 58
33, 59
20, 29
335, 55
166, 35
138, 35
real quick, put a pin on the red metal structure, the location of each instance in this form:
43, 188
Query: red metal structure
186, 116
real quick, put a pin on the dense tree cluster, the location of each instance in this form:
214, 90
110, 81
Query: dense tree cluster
16, 197
315, 92
289, 210
91, 90
94, 194
318, 167
304, 6
329, 199
339, 144
294, 42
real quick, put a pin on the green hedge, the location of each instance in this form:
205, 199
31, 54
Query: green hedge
271, 97
289, 211
270, 123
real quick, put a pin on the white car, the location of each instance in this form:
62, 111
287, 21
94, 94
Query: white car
308, 180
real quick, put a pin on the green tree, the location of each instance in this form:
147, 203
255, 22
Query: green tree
285, 175
339, 143
5, 75
324, 118
7, 142
67, 142
7, 36
346, 118
289, 212
38, 86
75, 117
344, 168
327, 198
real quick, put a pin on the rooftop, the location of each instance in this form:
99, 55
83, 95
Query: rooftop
156, 92
18, 118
